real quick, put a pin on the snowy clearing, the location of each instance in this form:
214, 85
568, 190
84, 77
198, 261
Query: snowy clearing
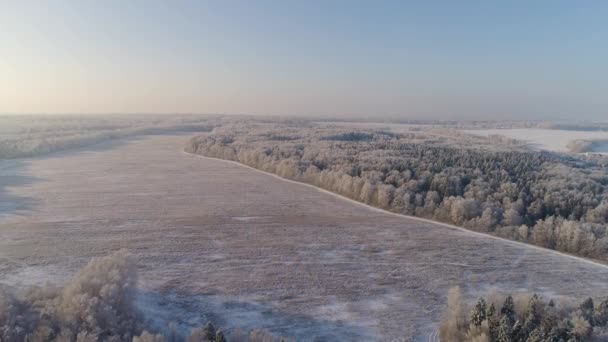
547, 139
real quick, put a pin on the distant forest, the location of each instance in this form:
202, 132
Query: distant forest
24, 136
556, 201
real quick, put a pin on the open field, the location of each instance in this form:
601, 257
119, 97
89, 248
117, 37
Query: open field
548, 139
215, 240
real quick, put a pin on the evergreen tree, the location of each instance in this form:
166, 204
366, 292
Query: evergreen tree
219, 337
508, 310
532, 317
493, 322
601, 313
504, 331
478, 315
554, 335
535, 336
567, 331
491, 311
516, 331
549, 321
209, 332
587, 310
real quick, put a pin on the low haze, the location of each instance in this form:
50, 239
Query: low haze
469, 59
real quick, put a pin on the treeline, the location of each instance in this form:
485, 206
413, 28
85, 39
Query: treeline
98, 304
593, 126
546, 199
523, 317
582, 146
471, 124
39, 135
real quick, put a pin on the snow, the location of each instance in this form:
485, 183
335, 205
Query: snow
219, 241
546, 139
247, 218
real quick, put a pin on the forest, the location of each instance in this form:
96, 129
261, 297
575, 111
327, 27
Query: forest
522, 317
556, 201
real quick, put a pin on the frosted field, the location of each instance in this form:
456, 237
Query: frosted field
219, 241
547, 139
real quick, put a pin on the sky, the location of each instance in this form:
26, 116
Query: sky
405, 59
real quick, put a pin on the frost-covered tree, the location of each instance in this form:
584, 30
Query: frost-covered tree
601, 313
97, 304
587, 310
505, 330
532, 319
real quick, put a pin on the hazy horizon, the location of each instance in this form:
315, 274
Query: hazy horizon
394, 60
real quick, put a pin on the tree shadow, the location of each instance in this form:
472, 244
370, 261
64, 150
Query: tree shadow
601, 147
12, 175
97, 147
187, 311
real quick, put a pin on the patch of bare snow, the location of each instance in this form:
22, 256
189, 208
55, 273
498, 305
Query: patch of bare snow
545, 139
247, 218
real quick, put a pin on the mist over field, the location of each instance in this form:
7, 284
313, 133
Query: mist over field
32, 135
131, 236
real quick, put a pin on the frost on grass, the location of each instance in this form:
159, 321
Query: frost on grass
98, 304
522, 317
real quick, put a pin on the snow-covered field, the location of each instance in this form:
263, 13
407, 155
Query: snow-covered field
215, 240
547, 139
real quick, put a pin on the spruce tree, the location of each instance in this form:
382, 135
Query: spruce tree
601, 313
478, 315
209, 332
554, 334
504, 331
219, 337
587, 310
493, 321
516, 331
535, 335
549, 321
508, 310
532, 317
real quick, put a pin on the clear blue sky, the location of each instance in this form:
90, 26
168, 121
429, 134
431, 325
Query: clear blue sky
445, 59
